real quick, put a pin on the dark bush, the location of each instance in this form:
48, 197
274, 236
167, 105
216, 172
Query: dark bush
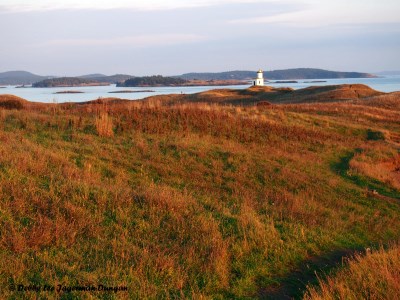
11, 104
375, 135
264, 104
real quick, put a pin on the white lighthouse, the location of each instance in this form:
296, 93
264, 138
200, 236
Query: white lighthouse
260, 79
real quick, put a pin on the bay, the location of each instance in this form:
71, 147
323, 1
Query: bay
49, 95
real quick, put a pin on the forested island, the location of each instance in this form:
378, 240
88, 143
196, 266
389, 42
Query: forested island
68, 82
113, 79
159, 80
289, 74
156, 80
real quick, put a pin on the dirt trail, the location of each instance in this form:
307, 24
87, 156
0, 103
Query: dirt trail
294, 284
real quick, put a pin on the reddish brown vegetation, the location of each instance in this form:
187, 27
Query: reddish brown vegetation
189, 200
11, 102
257, 94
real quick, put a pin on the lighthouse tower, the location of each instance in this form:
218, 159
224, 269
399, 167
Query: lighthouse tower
260, 79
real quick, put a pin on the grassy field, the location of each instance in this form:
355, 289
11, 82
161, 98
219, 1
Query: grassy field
193, 200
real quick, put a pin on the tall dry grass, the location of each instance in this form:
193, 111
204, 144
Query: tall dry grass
380, 162
104, 124
373, 275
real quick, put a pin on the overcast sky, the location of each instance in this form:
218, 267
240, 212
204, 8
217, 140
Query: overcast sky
173, 37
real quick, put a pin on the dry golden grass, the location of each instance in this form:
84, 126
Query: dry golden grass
185, 200
381, 163
389, 101
104, 124
373, 275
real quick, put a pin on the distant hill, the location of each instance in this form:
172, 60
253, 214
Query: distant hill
157, 80
301, 73
67, 82
19, 78
23, 77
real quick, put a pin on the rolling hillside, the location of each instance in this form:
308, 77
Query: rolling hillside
157, 199
266, 94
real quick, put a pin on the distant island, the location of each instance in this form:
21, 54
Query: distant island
284, 81
69, 92
68, 82
216, 82
156, 80
130, 91
289, 74
27, 78
113, 79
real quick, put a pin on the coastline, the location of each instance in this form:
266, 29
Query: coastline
387, 84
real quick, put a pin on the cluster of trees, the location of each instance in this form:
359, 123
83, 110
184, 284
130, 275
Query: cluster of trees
156, 80
110, 79
65, 81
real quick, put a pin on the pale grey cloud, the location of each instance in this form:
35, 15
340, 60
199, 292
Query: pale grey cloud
212, 36
139, 41
322, 13
40, 5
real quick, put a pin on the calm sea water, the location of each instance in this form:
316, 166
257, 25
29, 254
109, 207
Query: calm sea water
48, 95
